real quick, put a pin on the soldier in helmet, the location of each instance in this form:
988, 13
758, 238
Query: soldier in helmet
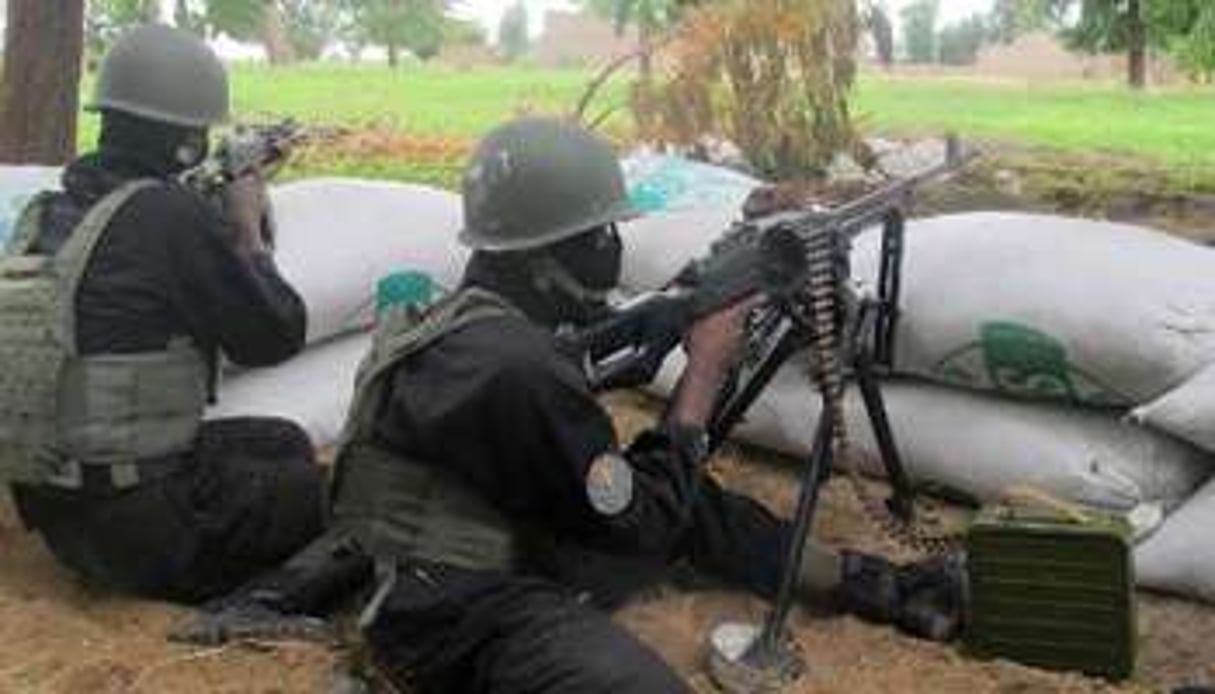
488, 485
117, 298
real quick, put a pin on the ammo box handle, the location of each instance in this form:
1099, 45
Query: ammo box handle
1023, 497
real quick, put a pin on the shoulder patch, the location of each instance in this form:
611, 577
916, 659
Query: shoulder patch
609, 484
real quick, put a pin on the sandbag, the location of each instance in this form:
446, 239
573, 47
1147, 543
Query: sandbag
1180, 556
981, 445
1029, 306
657, 246
338, 237
666, 183
313, 389
1187, 411
1087, 312
17, 185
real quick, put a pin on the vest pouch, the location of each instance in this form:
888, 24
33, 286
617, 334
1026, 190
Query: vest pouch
31, 358
404, 510
123, 407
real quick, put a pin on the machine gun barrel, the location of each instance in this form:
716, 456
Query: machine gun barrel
852, 217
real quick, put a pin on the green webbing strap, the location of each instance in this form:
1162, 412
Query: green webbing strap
73, 258
25, 232
396, 342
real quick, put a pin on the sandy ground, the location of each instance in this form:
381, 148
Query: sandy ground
60, 637
57, 636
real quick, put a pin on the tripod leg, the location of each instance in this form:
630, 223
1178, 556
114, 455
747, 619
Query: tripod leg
820, 459
901, 502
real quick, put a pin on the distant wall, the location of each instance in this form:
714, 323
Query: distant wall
1041, 56
467, 56
579, 40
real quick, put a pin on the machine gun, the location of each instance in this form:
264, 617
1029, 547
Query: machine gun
800, 262
241, 151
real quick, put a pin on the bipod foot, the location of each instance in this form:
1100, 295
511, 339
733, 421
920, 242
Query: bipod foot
743, 661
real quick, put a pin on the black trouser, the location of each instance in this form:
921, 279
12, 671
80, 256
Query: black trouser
444, 629
248, 496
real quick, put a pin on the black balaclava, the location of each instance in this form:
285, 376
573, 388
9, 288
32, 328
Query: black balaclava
160, 148
562, 284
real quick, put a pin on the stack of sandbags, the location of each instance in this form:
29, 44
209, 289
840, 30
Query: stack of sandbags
1090, 340
313, 389
336, 239
1086, 314
17, 185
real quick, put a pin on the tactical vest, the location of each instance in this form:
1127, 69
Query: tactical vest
60, 410
400, 509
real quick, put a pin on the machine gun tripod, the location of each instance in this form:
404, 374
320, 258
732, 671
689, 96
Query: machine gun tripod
851, 338
742, 658
800, 262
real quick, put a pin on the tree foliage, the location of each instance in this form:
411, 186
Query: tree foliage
312, 25
1194, 46
1010, 19
512, 32
959, 43
920, 30
881, 30
417, 26
772, 76
105, 19
240, 19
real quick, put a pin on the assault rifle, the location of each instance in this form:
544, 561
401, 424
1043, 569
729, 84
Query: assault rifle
241, 151
799, 261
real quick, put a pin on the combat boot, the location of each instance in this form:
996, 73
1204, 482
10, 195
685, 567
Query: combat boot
926, 598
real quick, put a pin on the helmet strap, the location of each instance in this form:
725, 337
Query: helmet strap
551, 278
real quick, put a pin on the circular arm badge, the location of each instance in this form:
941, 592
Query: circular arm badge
609, 484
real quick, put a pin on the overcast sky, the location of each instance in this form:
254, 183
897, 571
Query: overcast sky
489, 12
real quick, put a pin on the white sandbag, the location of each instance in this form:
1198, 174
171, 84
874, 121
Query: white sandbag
338, 237
1180, 556
981, 445
1187, 411
665, 183
1027, 305
314, 389
17, 185
657, 246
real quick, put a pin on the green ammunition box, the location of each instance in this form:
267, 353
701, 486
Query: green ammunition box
1052, 590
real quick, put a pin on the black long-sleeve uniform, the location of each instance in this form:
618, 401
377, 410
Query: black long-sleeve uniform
496, 405
248, 494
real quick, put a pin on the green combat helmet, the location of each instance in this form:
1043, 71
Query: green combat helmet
163, 74
521, 168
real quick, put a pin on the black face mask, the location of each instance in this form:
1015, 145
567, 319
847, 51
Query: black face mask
162, 148
593, 258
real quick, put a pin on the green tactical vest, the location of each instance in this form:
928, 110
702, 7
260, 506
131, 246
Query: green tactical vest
60, 410
401, 509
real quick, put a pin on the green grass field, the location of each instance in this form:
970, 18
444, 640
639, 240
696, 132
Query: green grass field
1174, 128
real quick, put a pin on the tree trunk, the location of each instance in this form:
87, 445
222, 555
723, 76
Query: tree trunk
645, 60
1137, 45
41, 82
394, 54
150, 11
186, 20
274, 35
